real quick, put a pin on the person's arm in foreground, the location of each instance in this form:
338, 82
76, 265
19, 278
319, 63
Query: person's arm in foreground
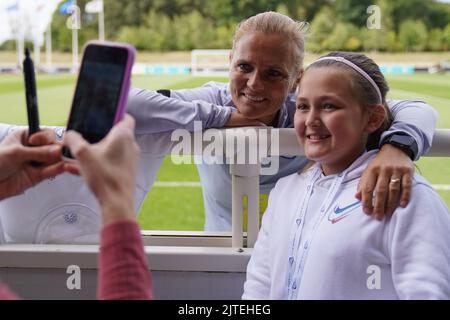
18, 174
418, 120
109, 170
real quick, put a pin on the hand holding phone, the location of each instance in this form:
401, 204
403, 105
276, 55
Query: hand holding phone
102, 89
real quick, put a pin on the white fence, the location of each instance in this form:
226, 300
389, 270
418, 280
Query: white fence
184, 265
245, 177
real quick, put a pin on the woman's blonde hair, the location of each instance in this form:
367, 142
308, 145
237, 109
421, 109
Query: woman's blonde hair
276, 23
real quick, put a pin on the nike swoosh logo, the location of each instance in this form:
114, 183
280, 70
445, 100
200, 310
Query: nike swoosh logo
335, 220
338, 210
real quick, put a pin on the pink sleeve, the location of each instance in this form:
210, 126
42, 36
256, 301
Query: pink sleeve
123, 269
6, 294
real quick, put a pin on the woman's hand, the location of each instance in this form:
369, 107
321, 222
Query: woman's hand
388, 179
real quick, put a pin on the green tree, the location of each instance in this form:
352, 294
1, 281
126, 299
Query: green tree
321, 27
387, 23
345, 36
193, 31
392, 44
62, 35
432, 13
283, 9
373, 39
246, 8
186, 24
161, 31
446, 38
125, 13
379, 39
352, 11
435, 40
137, 36
306, 9
438, 15
413, 35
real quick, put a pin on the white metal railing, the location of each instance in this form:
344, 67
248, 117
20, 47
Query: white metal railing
245, 177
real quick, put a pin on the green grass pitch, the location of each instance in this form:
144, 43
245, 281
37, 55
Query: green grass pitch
181, 208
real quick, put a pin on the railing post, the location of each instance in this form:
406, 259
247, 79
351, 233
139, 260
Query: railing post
244, 182
245, 177
441, 144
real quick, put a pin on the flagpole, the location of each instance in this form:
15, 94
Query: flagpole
19, 46
74, 50
48, 46
20, 41
36, 46
74, 24
37, 52
101, 23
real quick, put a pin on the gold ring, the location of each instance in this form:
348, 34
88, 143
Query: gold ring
395, 180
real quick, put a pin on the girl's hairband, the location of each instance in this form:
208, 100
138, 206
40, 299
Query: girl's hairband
357, 69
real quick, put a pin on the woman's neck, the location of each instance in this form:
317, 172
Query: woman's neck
270, 120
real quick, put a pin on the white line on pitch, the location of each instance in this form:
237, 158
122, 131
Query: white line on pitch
178, 184
443, 187
197, 184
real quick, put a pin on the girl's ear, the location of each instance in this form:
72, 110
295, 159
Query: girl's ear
376, 118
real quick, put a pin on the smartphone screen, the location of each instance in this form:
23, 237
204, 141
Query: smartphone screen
97, 92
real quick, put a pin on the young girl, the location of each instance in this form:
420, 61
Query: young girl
315, 242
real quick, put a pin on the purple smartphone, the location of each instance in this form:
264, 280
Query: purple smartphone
101, 92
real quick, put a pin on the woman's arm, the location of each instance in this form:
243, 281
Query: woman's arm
417, 119
156, 113
213, 92
388, 176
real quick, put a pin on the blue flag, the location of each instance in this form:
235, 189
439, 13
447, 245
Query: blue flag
64, 8
14, 7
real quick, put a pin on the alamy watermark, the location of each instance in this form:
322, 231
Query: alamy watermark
232, 146
374, 20
73, 282
74, 21
374, 280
